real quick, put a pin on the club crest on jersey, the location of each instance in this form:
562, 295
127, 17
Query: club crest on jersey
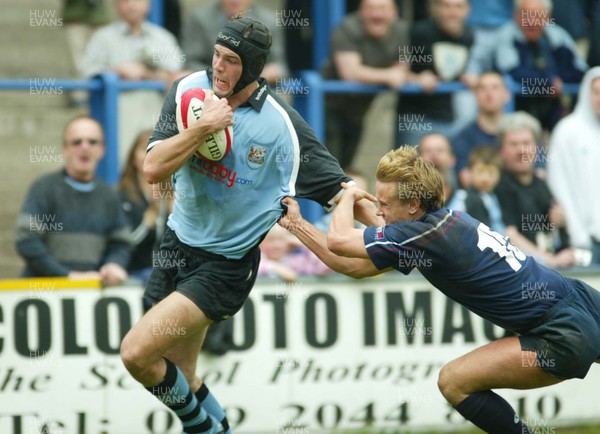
379, 232
256, 157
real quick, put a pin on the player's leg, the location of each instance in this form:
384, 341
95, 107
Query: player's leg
185, 356
466, 383
170, 323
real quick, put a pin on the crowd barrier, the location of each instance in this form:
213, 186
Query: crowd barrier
307, 92
315, 356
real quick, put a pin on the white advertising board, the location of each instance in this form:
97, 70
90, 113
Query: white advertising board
310, 357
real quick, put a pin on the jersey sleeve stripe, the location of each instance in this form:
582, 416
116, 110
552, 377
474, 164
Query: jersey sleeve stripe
416, 237
295, 143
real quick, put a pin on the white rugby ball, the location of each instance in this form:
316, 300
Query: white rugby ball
217, 145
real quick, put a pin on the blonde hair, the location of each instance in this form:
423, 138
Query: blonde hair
416, 178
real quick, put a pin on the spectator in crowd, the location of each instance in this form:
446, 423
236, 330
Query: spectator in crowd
136, 50
479, 200
71, 224
80, 19
146, 206
492, 95
534, 221
486, 19
436, 148
573, 166
283, 256
581, 18
203, 25
439, 51
364, 48
539, 56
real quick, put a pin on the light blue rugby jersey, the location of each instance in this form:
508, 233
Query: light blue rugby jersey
226, 207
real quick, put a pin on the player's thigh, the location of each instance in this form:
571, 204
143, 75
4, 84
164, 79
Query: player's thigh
499, 364
169, 323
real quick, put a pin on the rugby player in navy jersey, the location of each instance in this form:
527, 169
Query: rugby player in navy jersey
208, 258
558, 330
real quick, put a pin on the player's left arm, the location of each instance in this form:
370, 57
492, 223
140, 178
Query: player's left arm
316, 241
343, 238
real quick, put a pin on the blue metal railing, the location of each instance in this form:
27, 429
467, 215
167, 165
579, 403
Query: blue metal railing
105, 89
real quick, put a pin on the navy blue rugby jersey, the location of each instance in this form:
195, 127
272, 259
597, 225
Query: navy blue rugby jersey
471, 264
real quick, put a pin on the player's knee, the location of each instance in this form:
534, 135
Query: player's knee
447, 383
132, 356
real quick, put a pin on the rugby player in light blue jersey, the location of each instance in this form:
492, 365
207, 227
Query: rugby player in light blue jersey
557, 319
208, 259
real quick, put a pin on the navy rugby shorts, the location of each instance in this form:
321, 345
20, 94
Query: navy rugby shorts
567, 337
217, 285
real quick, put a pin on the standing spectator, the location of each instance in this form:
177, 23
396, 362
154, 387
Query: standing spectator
364, 48
492, 95
436, 148
573, 166
203, 25
145, 209
71, 223
479, 200
81, 18
440, 50
539, 56
136, 50
534, 221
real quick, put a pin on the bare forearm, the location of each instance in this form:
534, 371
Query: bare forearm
365, 212
166, 157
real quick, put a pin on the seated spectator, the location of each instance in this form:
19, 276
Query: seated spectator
573, 166
492, 95
539, 56
136, 50
283, 256
486, 19
479, 200
146, 206
440, 50
436, 149
364, 48
71, 224
203, 24
534, 221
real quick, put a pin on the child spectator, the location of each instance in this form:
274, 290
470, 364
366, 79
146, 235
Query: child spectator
479, 200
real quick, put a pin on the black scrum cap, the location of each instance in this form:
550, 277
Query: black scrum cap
251, 40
